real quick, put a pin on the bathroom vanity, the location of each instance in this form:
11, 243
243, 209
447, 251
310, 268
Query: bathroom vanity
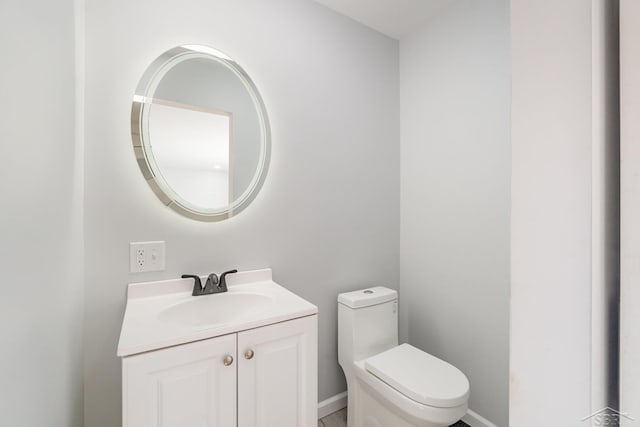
246, 357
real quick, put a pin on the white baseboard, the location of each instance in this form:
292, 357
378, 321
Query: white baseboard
332, 404
475, 420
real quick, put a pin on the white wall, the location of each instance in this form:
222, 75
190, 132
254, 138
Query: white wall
327, 217
455, 158
630, 206
41, 259
551, 61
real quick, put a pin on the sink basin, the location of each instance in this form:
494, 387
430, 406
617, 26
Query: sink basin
216, 309
163, 313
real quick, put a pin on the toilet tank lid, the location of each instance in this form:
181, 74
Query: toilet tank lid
367, 297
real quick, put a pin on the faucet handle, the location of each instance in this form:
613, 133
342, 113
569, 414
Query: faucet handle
223, 280
197, 285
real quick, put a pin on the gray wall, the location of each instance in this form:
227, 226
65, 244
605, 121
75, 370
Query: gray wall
455, 195
605, 204
41, 259
327, 217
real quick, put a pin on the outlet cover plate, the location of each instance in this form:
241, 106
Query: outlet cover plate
146, 256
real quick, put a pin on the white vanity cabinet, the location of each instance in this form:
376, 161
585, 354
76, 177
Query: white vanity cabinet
277, 375
261, 377
187, 385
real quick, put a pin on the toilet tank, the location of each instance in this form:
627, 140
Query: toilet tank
367, 323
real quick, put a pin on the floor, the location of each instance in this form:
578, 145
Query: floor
339, 419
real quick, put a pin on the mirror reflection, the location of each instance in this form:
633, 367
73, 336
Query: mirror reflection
193, 146
203, 132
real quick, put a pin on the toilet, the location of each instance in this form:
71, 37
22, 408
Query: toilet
391, 385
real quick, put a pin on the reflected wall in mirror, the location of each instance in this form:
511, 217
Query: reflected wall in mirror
200, 133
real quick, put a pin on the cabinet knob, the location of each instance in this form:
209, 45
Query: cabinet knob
248, 354
228, 360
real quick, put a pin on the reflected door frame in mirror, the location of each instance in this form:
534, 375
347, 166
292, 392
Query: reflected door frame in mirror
143, 101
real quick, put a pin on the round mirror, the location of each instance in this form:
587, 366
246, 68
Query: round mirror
200, 133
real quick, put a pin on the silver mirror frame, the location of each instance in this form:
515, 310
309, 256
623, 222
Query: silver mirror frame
143, 148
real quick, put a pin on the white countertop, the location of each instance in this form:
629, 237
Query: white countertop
143, 329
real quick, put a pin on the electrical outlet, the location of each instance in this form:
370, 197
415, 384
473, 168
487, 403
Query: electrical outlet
146, 256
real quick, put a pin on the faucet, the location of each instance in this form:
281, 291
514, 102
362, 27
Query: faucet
212, 285
223, 279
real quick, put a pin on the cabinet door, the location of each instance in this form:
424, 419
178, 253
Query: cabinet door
187, 385
277, 383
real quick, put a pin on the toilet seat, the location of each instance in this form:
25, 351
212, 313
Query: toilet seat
369, 383
420, 376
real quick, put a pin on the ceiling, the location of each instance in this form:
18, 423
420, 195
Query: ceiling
395, 18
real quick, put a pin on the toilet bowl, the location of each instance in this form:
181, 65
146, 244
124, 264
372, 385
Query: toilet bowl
391, 385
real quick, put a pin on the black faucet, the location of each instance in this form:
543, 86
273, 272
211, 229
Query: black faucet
223, 279
212, 285
197, 284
